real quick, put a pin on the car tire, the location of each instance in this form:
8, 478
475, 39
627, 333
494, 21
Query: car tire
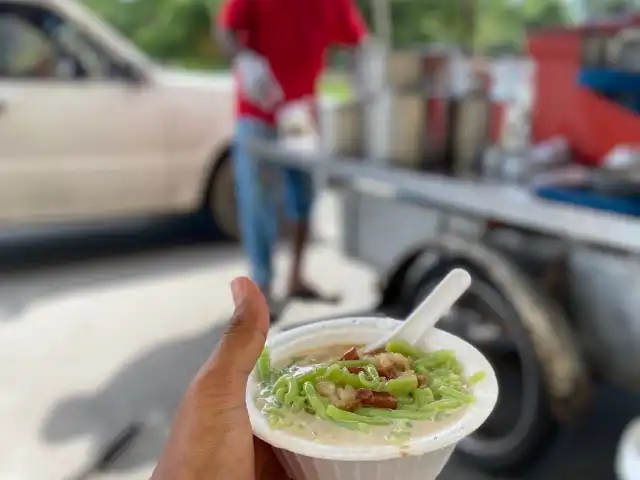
220, 206
220, 201
517, 449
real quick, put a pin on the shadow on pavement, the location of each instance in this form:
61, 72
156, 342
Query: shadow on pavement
44, 263
31, 248
148, 389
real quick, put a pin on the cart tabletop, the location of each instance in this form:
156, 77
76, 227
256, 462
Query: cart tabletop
509, 204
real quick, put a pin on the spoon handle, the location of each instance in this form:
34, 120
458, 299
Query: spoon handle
435, 306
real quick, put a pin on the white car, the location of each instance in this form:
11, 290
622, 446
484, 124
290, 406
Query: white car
92, 128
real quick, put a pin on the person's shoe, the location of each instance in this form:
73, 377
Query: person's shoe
307, 293
276, 309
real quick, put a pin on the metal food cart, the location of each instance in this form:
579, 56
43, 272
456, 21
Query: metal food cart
550, 303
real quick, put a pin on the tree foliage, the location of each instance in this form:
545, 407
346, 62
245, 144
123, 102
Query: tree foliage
180, 30
165, 29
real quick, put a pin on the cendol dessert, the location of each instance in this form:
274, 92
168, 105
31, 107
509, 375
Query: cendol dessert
342, 394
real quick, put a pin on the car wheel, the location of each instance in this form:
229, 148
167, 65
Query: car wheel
221, 200
521, 426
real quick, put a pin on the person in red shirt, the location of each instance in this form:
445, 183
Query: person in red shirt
278, 49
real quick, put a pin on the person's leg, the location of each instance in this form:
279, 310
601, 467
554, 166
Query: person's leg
299, 194
256, 198
298, 201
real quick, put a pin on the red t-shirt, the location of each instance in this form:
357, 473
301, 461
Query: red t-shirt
293, 35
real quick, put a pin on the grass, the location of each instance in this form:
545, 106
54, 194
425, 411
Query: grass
336, 87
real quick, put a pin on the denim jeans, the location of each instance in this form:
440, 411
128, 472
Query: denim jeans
258, 187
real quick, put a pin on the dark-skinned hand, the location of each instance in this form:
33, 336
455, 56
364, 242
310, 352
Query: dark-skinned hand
211, 436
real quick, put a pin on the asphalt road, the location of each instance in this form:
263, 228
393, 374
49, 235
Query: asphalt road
105, 326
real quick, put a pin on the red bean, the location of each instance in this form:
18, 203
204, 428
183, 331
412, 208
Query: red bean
369, 398
351, 354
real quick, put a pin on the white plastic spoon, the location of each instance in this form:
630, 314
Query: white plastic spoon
432, 309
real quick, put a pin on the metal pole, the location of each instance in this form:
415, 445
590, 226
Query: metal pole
382, 22
469, 23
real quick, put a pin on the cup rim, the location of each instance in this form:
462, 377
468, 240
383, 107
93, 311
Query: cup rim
284, 344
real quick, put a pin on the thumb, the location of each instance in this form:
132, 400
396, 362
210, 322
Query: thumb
242, 343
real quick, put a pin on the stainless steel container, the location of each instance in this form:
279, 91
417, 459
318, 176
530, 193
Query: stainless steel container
400, 70
341, 128
471, 132
594, 49
623, 50
395, 126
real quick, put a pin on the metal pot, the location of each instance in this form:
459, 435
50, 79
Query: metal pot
395, 126
471, 132
624, 50
396, 70
625, 182
341, 128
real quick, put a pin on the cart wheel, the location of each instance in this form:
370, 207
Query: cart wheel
521, 426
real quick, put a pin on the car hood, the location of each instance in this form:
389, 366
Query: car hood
173, 77
179, 78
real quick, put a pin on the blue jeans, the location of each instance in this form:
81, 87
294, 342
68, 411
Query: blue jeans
258, 196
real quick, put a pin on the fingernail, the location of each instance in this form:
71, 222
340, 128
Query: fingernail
237, 291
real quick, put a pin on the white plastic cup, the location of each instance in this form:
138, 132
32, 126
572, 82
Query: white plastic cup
420, 459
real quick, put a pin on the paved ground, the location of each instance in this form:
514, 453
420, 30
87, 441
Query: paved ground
98, 331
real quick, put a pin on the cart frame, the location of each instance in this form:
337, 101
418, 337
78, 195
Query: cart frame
550, 334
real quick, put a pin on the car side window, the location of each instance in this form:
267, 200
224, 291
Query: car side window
92, 59
35, 42
25, 52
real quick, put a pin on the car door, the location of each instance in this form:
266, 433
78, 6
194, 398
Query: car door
80, 132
